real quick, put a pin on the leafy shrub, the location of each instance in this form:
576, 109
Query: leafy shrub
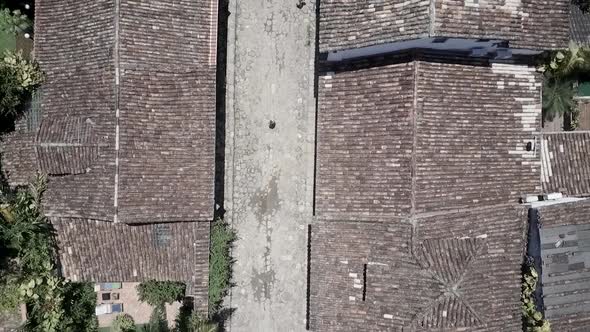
28, 73
124, 323
220, 264
198, 324
26, 238
190, 321
79, 304
9, 296
13, 21
19, 77
157, 293
12, 94
532, 319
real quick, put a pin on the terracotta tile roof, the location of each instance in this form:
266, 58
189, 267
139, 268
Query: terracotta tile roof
346, 24
445, 271
579, 26
168, 35
565, 252
98, 251
566, 163
167, 124
140, 80
66, 146
18, 164
425, 136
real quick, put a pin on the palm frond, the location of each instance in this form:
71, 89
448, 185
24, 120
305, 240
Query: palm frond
558, 97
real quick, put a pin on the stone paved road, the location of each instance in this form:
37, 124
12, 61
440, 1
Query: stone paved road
269, 172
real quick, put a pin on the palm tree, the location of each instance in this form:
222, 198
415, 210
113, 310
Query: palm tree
561, 70
558, 97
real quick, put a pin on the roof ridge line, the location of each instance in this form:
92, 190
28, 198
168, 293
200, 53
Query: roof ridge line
116, 62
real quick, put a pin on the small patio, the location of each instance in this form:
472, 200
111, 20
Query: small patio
117, 298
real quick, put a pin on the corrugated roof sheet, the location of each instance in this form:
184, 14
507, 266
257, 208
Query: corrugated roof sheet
425, 136
346, 24
565, 251
448, 271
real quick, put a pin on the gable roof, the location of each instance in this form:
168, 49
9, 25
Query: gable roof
346, 24
99, 251
141, 91
566, 162
451, 271
565, 255
423, 136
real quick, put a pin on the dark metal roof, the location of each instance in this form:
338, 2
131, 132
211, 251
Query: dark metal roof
566, 269
565, 254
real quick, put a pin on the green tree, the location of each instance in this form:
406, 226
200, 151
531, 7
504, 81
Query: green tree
558, 97
561, 71
11, 94
124, 323
19, 78
532, 319
27, 240
14, 21
79, 304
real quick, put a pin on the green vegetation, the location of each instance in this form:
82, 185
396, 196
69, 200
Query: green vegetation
220, 264
26, 238
158, 293
79, 304
532, 319
562, 70
7, 41
19, 77
14, 21
124, 323
28, 274
190, 321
